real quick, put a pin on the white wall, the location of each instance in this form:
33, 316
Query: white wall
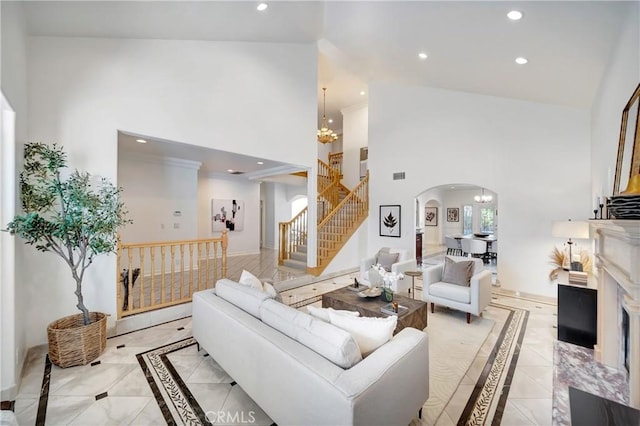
355, 126
82, 91
246, 241
535, 156
13, 129
153, 190
621, 78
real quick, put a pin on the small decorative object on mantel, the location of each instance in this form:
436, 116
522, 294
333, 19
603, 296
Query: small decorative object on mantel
624, 206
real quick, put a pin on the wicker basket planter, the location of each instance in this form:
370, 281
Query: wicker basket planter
73, 343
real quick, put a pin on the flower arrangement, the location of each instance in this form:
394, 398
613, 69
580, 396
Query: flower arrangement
387, 277
559, 259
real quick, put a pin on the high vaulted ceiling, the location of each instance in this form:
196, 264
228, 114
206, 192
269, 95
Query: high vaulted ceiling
471, 46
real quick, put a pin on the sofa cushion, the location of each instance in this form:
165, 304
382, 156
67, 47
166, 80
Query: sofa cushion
449, 291
250, 280
244, 297
336, 345
323, 313
369, 332
457, 272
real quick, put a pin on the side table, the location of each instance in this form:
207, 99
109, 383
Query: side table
413, 275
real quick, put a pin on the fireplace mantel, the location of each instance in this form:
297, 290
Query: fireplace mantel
617, 255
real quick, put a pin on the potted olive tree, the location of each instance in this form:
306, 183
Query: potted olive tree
75, 217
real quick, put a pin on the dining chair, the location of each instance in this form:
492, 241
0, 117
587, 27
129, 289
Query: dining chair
452, 246
478, 248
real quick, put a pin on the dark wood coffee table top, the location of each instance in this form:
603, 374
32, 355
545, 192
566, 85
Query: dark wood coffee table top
345, 299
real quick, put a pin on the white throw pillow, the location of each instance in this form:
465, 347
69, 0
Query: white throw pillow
323, 313
250, 280
270, 290
369, 332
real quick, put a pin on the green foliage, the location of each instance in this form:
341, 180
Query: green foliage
390, 221
74, 217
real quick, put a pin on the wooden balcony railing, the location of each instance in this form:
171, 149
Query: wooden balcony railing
157, 275
292, 234
335, 162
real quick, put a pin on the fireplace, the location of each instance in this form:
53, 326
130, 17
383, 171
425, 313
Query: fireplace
618, 274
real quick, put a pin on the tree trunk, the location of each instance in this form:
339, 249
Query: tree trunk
78, 293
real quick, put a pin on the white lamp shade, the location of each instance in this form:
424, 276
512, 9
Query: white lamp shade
570, 229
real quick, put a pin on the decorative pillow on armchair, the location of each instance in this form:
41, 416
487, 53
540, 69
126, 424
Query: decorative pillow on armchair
459, 273
386, 260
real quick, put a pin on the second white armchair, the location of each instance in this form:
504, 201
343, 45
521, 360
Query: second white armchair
404, 262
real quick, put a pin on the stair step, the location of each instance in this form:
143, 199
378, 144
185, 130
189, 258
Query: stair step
302, 248
295, 264
302, 257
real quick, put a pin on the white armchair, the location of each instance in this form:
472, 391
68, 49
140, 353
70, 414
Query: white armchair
472, 299
404, 263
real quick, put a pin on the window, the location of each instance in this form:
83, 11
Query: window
467, 219
487, 216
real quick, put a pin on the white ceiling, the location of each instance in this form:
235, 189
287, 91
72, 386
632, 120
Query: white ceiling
471, 44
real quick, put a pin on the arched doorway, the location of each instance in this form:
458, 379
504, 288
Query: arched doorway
458, 210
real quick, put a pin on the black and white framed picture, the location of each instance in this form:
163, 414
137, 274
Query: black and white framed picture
227, 214
390, 221
430, 216
453, 214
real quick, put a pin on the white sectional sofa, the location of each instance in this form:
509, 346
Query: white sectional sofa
296, 385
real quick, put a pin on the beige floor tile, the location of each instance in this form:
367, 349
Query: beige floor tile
538, 411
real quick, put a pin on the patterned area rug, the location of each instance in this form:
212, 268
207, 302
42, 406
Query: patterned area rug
488, 399
192, 389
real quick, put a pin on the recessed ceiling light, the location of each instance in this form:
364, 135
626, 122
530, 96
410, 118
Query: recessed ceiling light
362, 93
141, 141
262, 6
514, 15
521, 60
330, 120
261, 162
230, 170
422, 55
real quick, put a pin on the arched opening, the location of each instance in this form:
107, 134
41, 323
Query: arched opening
298, 204
461, 211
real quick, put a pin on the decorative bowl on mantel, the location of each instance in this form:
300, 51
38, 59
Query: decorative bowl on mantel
624, 206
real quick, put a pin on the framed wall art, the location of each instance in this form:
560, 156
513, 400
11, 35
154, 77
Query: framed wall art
430, 216
227, 214
390, 221
628, 161
453, 214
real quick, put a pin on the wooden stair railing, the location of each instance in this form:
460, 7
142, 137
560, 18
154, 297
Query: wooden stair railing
161, 274
292, 234
335, 162
340, 213
335, 229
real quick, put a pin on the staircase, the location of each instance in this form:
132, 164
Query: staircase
340, 213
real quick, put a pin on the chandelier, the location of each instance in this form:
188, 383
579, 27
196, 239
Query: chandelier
325, 134
483, 198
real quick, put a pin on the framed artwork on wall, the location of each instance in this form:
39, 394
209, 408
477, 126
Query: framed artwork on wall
430, 216
227, 214
628, 161
390, 221
453, 214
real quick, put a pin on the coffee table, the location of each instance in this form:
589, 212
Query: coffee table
345, 299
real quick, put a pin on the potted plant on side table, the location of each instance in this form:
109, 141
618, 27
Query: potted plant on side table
76, 218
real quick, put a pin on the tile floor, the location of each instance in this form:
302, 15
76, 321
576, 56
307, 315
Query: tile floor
73, 392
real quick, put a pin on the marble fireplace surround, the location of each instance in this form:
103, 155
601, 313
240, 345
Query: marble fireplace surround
617, 254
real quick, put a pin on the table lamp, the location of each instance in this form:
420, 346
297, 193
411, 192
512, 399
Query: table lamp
570, 229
